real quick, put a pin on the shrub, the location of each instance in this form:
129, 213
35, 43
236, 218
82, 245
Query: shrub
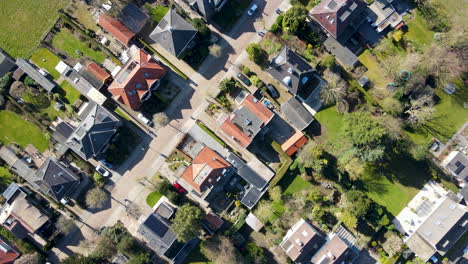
5, 82
40, 100
294, 20
29, 81
200, 25
328, 62
257, 54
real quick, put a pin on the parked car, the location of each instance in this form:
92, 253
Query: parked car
271, 90
145, 120
435, 146
101, 170
106, 163
244, 79
252, 9
178, 187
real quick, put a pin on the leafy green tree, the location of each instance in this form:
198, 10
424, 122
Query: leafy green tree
227, 85
255, 253
275, 193
128, 246
105, 249
5, 82
80, 259
323, 216
200, 25
313, 157
40, 100
257, 54
143, 258
335, 89
348, 219
28, 81
264, 211
187, 222
65, 225
352, 165
315, 196
358, 203
392, 106
367, 136
294, 20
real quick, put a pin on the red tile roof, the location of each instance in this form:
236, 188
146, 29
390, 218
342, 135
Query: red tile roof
255, 107
135, 79
207, 165
214, 221
9, 255
98, 72
117, 29
294, 143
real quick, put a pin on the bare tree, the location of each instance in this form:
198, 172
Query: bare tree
264, 211
334, 90
393, 244
215, 50
421, 111
33, 258
96, 198
221, 250
65, 225
161, 119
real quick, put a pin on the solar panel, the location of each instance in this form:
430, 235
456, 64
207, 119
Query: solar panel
156, 225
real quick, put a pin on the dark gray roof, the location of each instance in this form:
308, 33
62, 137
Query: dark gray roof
10, 191
251, 197
158, 233
62, 132
133, 18
291, 70
173, 33
91, 78
78, 81
94, 132
55, 180
464, 193
297, 114
206, 8
247, 173
247, 121
458, 166
341, 53
33, 72
6, 63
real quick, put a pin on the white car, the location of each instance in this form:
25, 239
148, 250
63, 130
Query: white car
144, 119
252, 9
102, 171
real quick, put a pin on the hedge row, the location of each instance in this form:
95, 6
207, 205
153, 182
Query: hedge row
286, 163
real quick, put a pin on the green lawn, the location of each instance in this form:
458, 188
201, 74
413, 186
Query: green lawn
51, 112
157, 13
24, 22
418, 31
331, 122
67, 42
292, 183
450, 116
153, 198
14, 129
278, 209
5, 178
122, 114
44, 58
374, 70
69, 92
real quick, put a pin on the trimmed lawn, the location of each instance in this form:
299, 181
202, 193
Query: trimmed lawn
292, 183
67, 42
374, 71
70, 93
122, 114
44, 58
51, 112
450, 116
418, 31
153, 198
5, 178
157, 13
83, 15
331, 122
13, 129
24, 22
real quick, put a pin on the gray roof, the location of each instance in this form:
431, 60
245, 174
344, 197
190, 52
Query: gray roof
251, 197
291, 70
173, 33
158, 233
55, 180
78, 81
6, 63
34, 73
297, 114
341, 53
133, 18
62, 132
464, 193
91, 78
94, 132
440, 230
458, 166
205, 8
247, 121
10, 191
247, 173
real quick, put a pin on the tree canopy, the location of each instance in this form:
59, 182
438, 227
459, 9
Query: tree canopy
294, 20
256, 54
187, 222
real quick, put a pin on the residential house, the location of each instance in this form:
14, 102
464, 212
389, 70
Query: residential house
335, 251
433, 222
91, 137
7, 253
116, 29
95, 74
52, 178
456, 163
294, 143
174, 33
157, 233
80, 82
383, 14
254, 223
38, 75
301, 242
19, 215
207, 8
340, 19
247, 120
133, 18
136, 80
6, 63
295, 112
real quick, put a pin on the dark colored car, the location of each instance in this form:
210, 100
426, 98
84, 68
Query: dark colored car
271, 90
244, 79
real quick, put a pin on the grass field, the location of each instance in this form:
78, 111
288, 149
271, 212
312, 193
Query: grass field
69, 92
14, 129
67, 42
5, 178
153, 198
44, 58
83, 15
418, 31
375, 73
292, 183
24, 22
157, 13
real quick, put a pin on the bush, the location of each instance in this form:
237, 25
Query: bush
328, 62
40, 100
257, 54
200, 25
29, 81
5, 82
246, 70
294, 20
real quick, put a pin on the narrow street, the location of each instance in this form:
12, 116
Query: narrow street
183, 111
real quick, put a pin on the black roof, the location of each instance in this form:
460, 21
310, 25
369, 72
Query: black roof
55, 180
291, 70
297, 114
133, 18
6, 63
62, 132
247, 173
158, 233
94, 132
251, 197
34, 73
173, 33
